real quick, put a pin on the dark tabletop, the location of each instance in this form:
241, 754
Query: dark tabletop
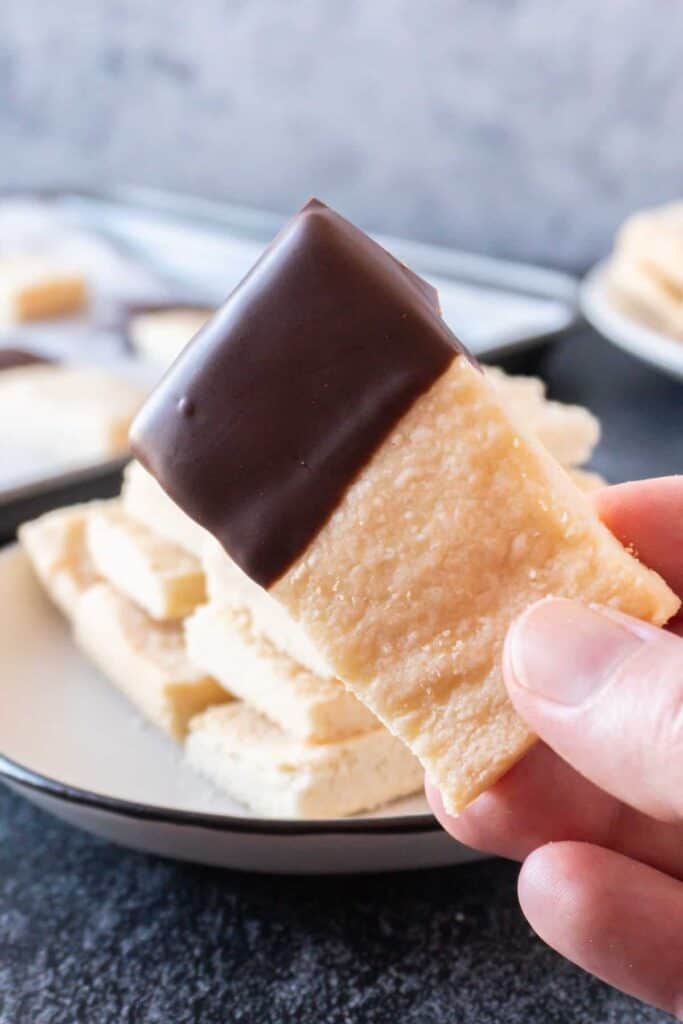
91, 934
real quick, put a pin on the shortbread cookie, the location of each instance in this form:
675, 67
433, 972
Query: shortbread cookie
654, 238
145, 659
392, 503
645, 273
31, 289
144, 500
413, 608
228, 586
569, 432
160, 333
222, 641
641, 291
279, 776
159, 576
71, 413
55, 545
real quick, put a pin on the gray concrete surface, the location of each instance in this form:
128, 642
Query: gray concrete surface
516, 127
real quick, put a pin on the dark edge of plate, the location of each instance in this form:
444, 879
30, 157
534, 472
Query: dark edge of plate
20, 775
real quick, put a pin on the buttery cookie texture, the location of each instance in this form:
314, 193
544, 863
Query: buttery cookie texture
31, 289
159, 333
145, 659
335, 437
72, 413
645, 273
157, 574
55, 543
318, 709
279, 775
144, 500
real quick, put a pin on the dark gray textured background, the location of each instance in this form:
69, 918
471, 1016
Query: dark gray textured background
515, 127
90, 934
508, 126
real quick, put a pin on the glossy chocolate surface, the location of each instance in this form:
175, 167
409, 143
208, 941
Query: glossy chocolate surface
281, 399
10, 358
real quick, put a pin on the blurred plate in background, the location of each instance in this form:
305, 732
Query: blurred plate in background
140, 245
206, 247
646, 343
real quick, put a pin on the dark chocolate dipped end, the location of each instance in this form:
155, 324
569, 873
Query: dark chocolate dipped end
283, 397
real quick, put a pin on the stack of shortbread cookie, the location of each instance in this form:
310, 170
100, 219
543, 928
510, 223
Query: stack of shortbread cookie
213, 660
645, 272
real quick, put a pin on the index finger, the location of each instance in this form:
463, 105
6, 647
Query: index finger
647, 516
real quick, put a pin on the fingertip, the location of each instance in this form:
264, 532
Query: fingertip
434, 798
559, 651
629, 502
487, 824
645, 515
514, 643
615, 917
547, 881
561, 893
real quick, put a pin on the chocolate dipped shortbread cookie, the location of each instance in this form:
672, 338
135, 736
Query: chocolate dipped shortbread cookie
350, 456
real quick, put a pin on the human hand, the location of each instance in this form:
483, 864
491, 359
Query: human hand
595, 811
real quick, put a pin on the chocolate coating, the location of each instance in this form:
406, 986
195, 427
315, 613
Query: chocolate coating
280, 400
10, 358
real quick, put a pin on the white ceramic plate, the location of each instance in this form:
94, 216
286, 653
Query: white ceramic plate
642, 341
73, 745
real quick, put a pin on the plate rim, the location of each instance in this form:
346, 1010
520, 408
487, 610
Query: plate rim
62, 478
22, 775
624, 331
27, 778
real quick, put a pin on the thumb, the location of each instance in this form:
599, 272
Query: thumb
606, 693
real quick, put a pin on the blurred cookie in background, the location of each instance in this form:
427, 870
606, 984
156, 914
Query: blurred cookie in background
35, 289
644, 276
159, 333
569, 432
70, 413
